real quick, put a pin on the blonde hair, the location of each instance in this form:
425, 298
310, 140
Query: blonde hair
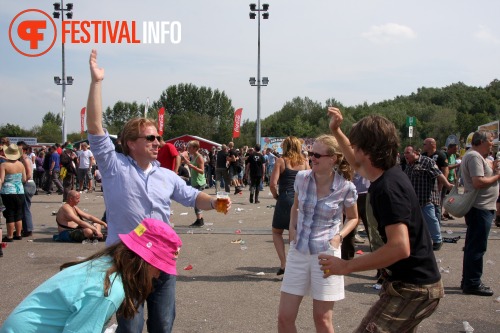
292, 149
343, 168
194, 143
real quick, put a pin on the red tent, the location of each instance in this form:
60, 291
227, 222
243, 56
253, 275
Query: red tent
204, 143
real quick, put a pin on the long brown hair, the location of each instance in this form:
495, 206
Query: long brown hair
292, 149
333, 148
135, 274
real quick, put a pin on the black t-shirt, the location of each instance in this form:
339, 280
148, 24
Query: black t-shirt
255, 160
221, 159
232, 153
393, 201
440, 159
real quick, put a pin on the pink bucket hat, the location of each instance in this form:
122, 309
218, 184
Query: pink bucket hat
156, 242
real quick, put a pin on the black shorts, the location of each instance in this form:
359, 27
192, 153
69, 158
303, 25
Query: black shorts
13, 207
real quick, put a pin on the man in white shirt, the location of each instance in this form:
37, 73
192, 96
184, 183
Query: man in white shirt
85, 162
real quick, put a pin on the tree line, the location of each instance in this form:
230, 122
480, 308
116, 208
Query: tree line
456, 109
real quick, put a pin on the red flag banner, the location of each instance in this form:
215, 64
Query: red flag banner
82, 120
161, 115
237, 122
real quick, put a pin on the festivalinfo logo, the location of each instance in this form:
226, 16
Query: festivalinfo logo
33, 32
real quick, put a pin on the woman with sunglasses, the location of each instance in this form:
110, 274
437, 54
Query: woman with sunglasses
322, 195
281, 186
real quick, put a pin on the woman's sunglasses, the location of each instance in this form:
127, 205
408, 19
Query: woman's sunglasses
316, 155
151, 137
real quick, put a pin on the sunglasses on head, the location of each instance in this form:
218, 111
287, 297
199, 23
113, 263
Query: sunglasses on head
316, 155
151, 137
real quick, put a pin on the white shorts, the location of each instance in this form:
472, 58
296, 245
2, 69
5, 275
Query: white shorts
303, 276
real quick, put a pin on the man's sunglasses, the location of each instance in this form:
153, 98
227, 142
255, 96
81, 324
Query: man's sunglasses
318, 155
151, 137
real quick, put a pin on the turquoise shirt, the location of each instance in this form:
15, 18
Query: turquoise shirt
70, 301
13, 184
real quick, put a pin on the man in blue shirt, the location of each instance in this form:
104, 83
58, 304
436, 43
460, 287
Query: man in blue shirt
54, 170
136, 187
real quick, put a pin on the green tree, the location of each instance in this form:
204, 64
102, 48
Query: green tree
196, 110
52, 118
12, 130
115, 118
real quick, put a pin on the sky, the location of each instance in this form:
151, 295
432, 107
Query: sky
353, 51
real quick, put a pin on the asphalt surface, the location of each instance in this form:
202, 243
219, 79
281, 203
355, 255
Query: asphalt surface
234, 288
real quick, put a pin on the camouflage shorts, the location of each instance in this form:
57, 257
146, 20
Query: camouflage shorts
401, 307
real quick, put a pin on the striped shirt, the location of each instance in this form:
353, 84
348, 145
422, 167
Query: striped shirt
319, 219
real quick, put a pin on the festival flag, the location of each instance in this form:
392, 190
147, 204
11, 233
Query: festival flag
237, 121
161, 114
82, 121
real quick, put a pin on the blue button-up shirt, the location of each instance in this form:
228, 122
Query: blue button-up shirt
130, 194
319, 219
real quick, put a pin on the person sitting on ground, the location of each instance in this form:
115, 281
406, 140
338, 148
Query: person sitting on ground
74, 225
85, 294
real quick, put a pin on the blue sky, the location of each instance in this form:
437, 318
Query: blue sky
353, 51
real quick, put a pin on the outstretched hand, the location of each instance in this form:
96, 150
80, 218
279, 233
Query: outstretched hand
335, 118
96, 73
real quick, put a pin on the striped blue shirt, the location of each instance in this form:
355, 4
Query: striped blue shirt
319, 219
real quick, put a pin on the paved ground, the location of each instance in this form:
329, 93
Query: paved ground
226, 290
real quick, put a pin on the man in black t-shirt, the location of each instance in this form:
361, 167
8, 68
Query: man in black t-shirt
233, 167
398, 233
255, 169
221, 172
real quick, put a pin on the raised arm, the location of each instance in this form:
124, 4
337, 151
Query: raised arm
335, 122
94, 102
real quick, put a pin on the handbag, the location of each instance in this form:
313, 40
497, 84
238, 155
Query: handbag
63, 172
458, 204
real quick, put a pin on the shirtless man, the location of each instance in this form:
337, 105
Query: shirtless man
73, 224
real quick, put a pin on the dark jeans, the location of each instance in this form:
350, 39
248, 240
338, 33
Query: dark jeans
161, 309
222, 174
29, 191
68, 182
476, 240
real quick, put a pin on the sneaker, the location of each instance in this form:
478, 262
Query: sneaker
358, 239
26, 233
237, 190
17, 237
198, 223
7, 239
437, 246
480, 290
257, 201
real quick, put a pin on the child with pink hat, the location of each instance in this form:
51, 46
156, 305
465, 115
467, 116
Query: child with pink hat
85, 294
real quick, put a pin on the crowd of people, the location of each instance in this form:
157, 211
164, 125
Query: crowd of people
29, 171
322, 195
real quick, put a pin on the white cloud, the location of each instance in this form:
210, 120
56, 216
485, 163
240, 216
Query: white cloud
486, 35
388, 33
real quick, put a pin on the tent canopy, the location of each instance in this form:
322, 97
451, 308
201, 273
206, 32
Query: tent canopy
184, 139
